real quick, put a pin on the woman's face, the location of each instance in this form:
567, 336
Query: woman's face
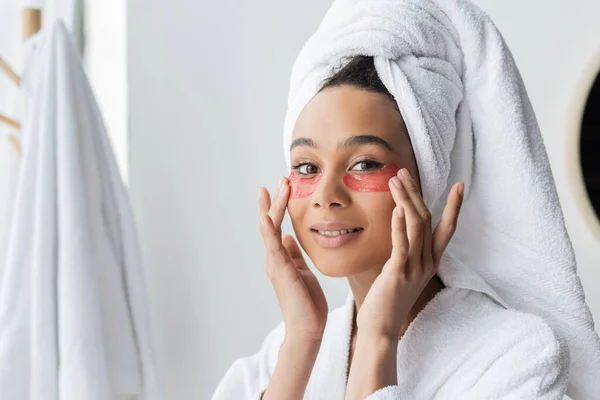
329, 120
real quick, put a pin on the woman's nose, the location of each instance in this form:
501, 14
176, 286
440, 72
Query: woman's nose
331, 192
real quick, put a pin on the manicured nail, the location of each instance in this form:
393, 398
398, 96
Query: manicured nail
396, 181
400, 211
405, 173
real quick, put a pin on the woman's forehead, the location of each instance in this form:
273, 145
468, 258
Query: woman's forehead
337, 114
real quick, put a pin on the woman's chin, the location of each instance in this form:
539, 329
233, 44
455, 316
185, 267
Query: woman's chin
339, 267
344, 264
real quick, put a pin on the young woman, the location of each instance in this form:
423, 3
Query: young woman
368, 204
390, 263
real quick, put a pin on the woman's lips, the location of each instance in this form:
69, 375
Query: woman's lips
331, 242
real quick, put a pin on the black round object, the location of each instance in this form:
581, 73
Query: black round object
590, 146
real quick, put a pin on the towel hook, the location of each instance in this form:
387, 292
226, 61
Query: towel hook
32, 23
4, 66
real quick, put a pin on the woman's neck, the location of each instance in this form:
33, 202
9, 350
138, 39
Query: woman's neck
361, 283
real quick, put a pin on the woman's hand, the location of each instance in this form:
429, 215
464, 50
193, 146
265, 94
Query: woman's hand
300, 296
415, 258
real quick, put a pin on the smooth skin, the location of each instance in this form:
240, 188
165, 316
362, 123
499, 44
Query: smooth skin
389, 290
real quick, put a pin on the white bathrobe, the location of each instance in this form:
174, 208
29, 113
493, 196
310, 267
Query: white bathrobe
462, 345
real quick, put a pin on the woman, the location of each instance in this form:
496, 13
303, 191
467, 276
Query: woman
371, 197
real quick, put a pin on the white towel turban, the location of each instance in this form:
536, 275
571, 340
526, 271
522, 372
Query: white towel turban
469, 119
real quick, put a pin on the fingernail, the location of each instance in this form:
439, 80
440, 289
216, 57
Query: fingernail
400, 211
396, 181
461, 189
258, 197
405, 173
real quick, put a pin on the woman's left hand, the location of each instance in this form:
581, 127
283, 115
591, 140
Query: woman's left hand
415, 258
416, 254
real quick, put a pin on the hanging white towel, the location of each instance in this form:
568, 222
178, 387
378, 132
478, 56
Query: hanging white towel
469, 119
9, 171
74, 323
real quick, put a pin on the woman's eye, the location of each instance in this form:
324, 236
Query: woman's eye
366, 164
307, 170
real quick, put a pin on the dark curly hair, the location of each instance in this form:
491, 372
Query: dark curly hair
359, 72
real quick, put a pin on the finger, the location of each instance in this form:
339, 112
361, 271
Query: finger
264, 201
413, 192
280, 263
447, 225
291, 245
268, 232
414, 223
280, 200
399, 237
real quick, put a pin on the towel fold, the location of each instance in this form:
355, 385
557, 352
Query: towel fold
469, 119
73, 311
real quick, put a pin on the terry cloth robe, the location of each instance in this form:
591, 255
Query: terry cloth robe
462, 345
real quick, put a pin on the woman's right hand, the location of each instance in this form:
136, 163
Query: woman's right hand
298, 291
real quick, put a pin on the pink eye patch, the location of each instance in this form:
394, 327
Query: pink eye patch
372, 182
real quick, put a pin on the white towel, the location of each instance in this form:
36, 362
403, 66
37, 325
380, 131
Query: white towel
469, 119
74, 323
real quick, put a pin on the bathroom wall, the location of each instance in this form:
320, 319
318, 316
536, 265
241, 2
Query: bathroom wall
207, 97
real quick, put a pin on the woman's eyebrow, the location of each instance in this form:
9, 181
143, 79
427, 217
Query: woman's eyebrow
358, 140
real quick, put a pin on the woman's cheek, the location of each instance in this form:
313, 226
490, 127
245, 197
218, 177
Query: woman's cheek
293, 211
297, 212
371, 182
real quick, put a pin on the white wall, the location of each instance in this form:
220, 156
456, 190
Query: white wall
207, 97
